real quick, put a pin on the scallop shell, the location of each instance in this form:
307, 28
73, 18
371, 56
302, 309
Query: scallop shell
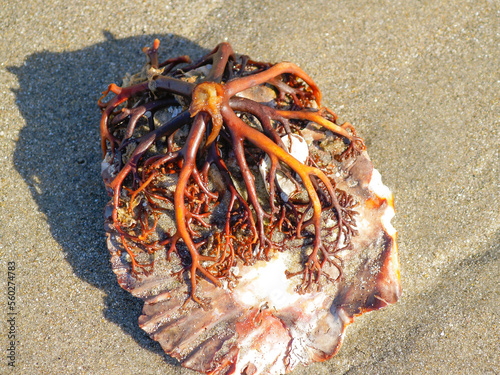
262, 324
257, 322
298, 148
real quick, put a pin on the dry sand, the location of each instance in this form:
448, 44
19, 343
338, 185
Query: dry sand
420, 80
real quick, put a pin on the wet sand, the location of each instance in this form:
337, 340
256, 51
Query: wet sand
419, 81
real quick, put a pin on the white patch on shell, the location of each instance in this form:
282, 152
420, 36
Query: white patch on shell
174, 111
376, 186
202, 70
266, 282
260, 94
298, 148
104, 165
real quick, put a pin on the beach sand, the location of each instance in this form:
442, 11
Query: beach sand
420, 81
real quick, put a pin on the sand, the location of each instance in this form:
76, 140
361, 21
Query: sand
419, 80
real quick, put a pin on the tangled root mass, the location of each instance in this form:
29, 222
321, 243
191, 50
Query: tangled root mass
186, 139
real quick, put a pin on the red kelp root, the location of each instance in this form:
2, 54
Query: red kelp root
214, 126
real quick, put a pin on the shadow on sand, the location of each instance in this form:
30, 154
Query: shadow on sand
58, 154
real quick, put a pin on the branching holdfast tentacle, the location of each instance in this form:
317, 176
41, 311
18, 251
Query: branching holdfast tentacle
185, 142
